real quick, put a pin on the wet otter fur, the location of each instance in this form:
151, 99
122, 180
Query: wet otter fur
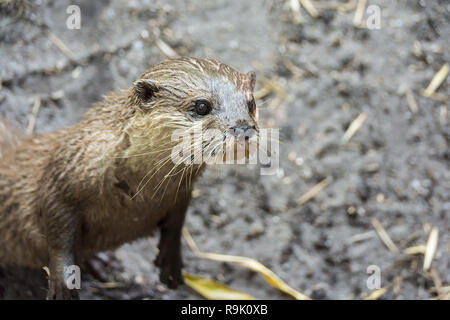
109, 179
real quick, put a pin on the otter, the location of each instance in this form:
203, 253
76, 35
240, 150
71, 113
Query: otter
109, 179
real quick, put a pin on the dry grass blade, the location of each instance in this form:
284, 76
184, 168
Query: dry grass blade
359, 13
439, 97
60, 45
437, 80
384, 236
354, 127
296, 71
274, 86
214, 290
261, 93
166, 49
252, 264
111, 285
412, 103
295, 8
313, 191
437, 282
431, 248
307, 4
375, 295
361, 237
294, 5
420, 249
33, 117
443, 293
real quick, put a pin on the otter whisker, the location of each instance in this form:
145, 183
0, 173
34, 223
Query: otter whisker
164, 160
169, 173
143, 154
179, 184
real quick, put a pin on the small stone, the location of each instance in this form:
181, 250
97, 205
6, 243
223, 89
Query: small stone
76, 72
145, 34
257, 229
380, 198
418, 187
361, 211
139, 279
161, 288
307, 173
138, 45
292, 156
351, 210
197, 193
287, 180
57, 95
299, 161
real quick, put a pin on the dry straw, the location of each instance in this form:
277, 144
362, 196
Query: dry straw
252, 264
359, 13
60, 45
166, 49
314, 191
33, 117
431, 248
384, 236
307, 4
354, 127
437, 80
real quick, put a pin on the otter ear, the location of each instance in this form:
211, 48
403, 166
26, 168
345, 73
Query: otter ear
251, 79
145, 89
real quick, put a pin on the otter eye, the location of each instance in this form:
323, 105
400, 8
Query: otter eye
202, 107
251, 105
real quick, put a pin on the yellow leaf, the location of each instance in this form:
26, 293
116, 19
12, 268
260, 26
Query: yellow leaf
375, 295
214, 290
252, 264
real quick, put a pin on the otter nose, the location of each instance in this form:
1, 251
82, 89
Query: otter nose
243, 132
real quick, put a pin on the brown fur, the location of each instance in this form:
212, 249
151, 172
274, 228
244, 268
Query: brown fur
97, 184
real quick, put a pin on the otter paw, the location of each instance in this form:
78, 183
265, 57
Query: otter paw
59, 291
171, 278
170, 271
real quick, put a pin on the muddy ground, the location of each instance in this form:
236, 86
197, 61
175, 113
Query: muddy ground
395, 168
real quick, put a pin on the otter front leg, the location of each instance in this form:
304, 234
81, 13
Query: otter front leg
61, 231
169, 259
58, 281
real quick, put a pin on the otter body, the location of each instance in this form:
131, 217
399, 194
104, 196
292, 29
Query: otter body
83, 167
109, 179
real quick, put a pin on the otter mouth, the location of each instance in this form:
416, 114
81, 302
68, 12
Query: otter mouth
217, 147
234, 146
238, 149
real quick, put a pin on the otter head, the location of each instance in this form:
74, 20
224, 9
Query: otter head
200, 95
